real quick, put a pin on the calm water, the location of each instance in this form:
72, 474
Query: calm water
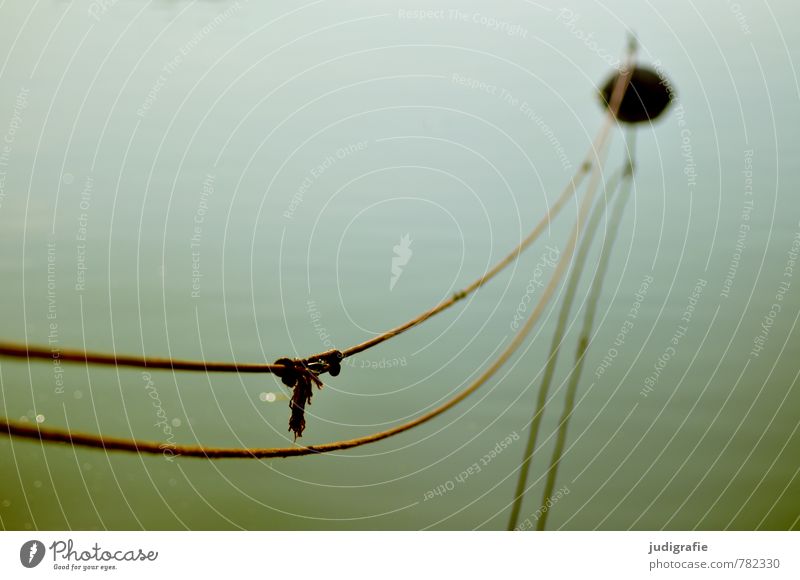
229, 181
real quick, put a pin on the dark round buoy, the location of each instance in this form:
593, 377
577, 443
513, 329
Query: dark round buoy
648, 95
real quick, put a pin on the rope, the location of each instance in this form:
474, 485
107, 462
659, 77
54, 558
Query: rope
567, 192
588, 322
555, 348
299, 374
292, 370
17, 350
569, 295
295, 372
14, 350
112, 443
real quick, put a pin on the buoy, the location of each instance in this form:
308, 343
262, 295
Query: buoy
648, 95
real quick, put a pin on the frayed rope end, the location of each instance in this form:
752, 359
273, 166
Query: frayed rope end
300, 376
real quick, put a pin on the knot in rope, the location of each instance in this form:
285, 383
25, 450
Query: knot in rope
300, 375
327, 362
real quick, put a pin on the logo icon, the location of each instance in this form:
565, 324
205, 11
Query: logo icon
402, 254
31, 553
